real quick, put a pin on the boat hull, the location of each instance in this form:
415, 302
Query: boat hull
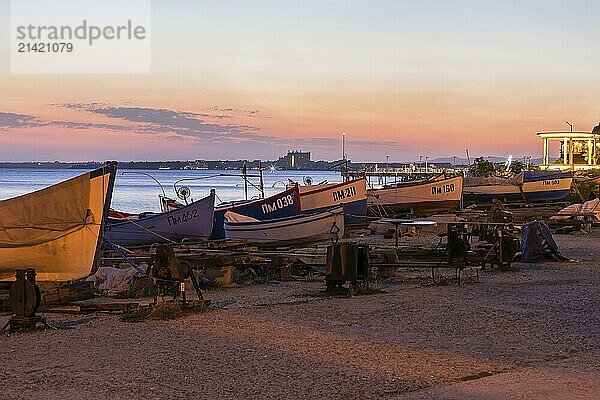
299, 229
538, 188
57, 254
352, 195
284, 204
191, 222
422, 198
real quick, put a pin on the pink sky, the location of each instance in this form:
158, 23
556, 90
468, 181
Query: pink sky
429, 79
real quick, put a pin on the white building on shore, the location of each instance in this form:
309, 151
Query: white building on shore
578, 150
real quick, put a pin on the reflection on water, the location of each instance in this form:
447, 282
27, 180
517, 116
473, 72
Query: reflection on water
136, 193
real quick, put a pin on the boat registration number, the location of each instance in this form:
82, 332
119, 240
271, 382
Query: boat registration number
278, 204
449, 188
551, 182
344, 193
182, 218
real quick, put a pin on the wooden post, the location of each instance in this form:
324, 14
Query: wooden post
500, 255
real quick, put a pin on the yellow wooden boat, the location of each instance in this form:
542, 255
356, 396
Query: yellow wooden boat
57, 230
419, 197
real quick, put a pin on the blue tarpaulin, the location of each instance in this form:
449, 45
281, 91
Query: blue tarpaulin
537, 241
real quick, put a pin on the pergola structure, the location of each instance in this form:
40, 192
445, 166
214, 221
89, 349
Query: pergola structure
578, 150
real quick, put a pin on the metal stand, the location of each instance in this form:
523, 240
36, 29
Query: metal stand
24, 299
25, 324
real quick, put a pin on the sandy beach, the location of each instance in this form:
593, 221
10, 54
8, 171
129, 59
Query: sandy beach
531, 333
296, 199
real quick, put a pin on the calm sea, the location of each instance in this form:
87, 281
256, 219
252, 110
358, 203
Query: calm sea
136, 192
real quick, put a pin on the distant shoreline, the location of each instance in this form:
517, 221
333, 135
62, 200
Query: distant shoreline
188, 166
226, 165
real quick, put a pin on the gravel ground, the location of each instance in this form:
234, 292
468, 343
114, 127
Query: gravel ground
527, 334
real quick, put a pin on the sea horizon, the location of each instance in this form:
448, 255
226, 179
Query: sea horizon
266, 163
136, 191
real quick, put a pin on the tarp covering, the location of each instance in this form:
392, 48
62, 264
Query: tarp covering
45, 215
589, 208
493, 180
113, 280
517, 180
536, 242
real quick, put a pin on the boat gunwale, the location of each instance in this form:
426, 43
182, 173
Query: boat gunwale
402, 185
120, 223
334, 186
109, 168
232, 207
306, 218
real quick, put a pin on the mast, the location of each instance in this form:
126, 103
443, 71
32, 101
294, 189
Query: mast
245, 174
262, 184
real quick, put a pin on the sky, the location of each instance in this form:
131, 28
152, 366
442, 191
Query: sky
254, 79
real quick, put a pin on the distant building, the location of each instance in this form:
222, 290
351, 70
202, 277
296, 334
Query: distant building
198, 164
295, 160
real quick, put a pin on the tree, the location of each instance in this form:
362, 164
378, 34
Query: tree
517, 167
481, 167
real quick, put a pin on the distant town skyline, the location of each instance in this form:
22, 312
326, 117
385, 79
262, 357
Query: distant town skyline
251, 80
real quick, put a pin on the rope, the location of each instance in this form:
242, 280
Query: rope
48, 228
150, 231
334, 231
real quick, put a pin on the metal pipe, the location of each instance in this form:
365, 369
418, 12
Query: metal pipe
148, 175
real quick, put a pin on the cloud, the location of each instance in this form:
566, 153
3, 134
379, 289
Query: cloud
176, 125
195, 125
170, 123
11, 120
22, 121
88, 125
249, 113
164, 121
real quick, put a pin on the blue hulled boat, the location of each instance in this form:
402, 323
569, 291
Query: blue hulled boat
192, 222
528, 187
284, 204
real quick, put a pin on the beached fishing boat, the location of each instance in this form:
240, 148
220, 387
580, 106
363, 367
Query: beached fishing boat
284, 204
56, 230
297, 229
419, 197
528, 187
352, 195
192, 222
